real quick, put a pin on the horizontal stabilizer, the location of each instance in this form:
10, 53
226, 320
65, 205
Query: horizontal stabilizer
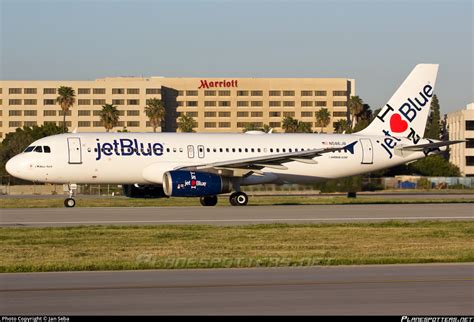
428, 146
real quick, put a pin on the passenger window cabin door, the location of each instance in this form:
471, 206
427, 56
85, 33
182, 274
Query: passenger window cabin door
74, 150
191, 151
200, 151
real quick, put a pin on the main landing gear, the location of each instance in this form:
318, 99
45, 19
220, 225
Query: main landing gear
238, 198
208, 201
70, 202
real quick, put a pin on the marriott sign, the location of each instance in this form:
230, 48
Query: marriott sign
214, 84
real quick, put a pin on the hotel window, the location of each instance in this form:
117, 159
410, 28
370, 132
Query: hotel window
256, 114
192, 103
118, 91
339, 93
14, 113
98, 102
133, 91
30, 123
133, 113
209, 124
68, 113
99, 91
209, 93
256, 93
320, 103
83, 113
14, 91
209, 114
192, 114
256, 103
242, 103
274, 93
191, 93
30, 102
469, 161
30, 91
275, 114
320, 93
242, 114
242, 124
49, 113
180, 93
30, 113
68, 123
224, 93
121, 113
121, 124
14, 102
49, 122
288, 114
14, 124
339, 114
306, 93
153, 91
288, 103
98, 124
210, 103
83, 91
118, 102
84, 124
83, 102
133, 124
306, 114
180, 103
274, 103
49, 90
133, 102
288, 93
224, 124
224, 114
306, 103
470, 144
96, 112
274, 124
469, 125
242, 93
339, 103
224, 103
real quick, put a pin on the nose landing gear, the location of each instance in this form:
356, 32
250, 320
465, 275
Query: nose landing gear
70, 202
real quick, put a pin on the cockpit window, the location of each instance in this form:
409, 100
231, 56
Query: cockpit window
38, 149
29, 149
46, 149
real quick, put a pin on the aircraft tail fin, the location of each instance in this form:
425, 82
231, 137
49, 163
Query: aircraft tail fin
406, 113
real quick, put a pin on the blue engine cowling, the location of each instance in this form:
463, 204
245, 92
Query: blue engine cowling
194, 184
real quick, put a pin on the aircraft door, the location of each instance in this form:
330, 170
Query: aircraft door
190, 151
74, 150
367, 151
201, 151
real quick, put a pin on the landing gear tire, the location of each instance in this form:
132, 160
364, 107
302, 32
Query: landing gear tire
208, 201
238, 199
69, 202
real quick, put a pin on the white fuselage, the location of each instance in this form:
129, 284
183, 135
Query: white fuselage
143, 158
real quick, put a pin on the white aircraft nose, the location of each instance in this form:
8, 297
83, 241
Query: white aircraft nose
10, 166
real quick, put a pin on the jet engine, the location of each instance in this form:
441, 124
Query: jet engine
181, 183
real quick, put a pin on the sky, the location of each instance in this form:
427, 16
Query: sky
375, 42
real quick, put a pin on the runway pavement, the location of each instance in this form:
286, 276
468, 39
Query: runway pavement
441, 289
234, 215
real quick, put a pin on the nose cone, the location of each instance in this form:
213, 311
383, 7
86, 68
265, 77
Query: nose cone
10, 166
17, 167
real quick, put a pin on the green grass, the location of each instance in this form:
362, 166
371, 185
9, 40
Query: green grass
223, 201
197, 246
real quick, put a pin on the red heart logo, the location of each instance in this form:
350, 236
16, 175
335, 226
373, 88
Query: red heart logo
397, 124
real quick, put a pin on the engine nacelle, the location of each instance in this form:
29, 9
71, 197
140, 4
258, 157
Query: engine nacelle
194, 184
143, 191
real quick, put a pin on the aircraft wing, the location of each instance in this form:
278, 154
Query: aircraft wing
429, 146
246, 166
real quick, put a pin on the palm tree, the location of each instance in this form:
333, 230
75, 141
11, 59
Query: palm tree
289, 124
340, 126
66, 99
109, 116
186, 123
355, 106
323, 118
155, 111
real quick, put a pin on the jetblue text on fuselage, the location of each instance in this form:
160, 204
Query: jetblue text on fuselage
128, 147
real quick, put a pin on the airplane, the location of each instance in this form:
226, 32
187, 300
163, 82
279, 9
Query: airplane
205, 165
